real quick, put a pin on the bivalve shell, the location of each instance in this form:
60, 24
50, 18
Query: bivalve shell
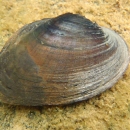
60, 60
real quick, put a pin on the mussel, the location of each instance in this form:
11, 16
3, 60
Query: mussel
61, 60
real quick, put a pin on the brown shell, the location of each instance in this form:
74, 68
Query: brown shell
59, 61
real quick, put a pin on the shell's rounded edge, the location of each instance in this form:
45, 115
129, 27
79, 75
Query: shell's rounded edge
124, 50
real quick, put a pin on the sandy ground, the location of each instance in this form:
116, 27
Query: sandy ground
108, 111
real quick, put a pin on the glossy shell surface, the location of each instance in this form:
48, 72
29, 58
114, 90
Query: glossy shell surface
60, 60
